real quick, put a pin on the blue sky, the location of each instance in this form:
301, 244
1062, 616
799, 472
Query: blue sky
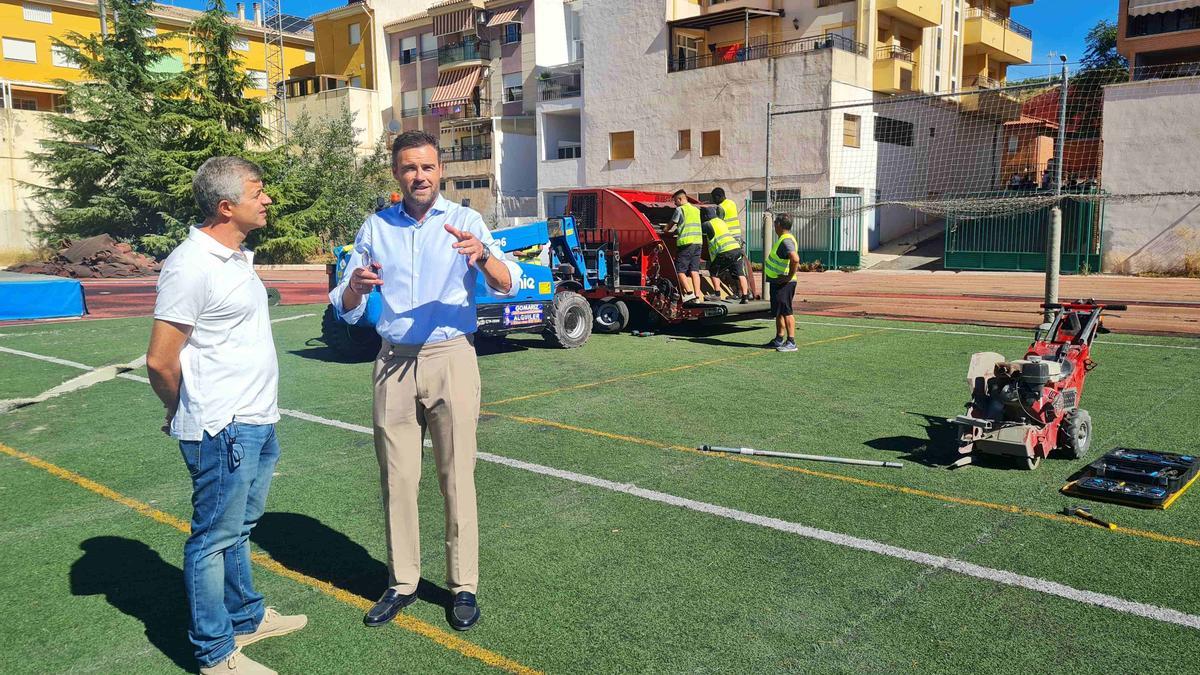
1058, 25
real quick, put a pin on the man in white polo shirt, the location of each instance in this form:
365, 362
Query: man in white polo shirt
212, 362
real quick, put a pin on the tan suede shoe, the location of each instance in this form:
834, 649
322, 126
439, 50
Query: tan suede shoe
273, 624
237, 664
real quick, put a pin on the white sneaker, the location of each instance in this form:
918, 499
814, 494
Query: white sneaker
689, 297
237, 664
273, 624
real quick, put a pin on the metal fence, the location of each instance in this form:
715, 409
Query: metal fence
827, 229
1016, 242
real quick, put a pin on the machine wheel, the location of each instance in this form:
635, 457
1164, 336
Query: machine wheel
353, 343
1032, 463
1075, 436
568, 320
611, 316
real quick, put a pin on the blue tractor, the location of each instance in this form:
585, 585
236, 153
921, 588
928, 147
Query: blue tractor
549, 300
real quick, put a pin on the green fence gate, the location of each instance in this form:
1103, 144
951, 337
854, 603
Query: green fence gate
827, 229
1017, 242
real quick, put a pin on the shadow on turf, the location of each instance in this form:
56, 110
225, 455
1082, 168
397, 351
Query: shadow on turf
308, 546
939, 448
137, 581
708, 333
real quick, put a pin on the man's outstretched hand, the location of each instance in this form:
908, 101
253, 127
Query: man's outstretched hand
467, 244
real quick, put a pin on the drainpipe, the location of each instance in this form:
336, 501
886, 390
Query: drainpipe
103, 20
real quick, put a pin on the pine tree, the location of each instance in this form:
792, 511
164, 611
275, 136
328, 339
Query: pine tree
90, 155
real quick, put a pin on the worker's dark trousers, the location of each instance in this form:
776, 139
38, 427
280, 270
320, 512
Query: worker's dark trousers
434, 386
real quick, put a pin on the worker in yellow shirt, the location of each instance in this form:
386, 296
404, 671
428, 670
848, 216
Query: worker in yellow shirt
729, 213
724, 252
690, 238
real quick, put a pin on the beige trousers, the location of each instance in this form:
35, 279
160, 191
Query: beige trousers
433, 386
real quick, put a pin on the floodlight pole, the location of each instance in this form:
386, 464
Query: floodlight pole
1054, 233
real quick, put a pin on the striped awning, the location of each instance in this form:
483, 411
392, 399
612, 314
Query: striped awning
1143, 7
503, 16
454, 22
455, 86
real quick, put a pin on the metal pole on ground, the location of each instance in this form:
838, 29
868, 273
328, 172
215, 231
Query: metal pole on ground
794, 455
767, 224
1054, 233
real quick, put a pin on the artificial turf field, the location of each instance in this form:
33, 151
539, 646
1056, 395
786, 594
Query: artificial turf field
670, 562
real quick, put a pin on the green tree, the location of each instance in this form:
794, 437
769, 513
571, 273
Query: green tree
1101, 48
322, 186
89, 156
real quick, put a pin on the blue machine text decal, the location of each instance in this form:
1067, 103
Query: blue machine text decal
523, 314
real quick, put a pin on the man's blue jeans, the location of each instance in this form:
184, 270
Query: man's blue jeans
231, 473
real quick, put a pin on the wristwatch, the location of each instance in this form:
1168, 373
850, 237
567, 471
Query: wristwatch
485, 256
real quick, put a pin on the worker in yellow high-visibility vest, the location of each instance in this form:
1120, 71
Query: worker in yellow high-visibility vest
729, 213
724, 251
780, 267
690, 235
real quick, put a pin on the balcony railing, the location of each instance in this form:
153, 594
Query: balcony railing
1007, 23
893, 52
472, 49
560, 86
462, 110
765, 51
982, 82
467, 153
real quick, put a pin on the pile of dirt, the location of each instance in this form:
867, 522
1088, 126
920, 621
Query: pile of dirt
99, 257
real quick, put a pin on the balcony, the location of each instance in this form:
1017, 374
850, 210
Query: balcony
471, 49
462, 110
560, 86
919, 13
1001, 38
986, 96
893, 71
737, 53
467, 153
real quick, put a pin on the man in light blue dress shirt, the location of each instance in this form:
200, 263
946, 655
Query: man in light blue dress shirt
423, 256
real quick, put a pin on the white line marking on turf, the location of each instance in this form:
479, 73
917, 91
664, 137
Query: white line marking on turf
972, 334
292, 318
1163, 614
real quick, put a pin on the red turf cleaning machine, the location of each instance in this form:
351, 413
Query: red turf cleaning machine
1029, 407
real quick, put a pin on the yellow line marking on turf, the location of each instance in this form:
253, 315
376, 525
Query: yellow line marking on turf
407, 622
964, 501
661, 371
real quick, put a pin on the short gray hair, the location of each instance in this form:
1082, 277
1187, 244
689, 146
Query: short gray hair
222, 179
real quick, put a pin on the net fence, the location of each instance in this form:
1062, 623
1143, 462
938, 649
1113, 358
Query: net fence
992, 148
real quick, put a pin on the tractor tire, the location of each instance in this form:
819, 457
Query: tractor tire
568, 320
357, 344
1075, 435
611, 316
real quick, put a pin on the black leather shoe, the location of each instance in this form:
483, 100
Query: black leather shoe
464, 612
388, 607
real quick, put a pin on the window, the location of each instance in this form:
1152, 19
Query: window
569, 150
1162, 22
309, 56
620, 145
355, 33
37, 13
428, 44
19, 50
513, 87
710, 143
896, 132
426, 97
241, 44
472, 184
20, 103
779, 195
356, 81
1012, 144
481, 183
512, 33
850, 130
258, 79
685, 139
408, 49
60, 57
410, 103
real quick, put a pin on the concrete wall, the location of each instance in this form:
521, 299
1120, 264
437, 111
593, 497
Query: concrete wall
363, 103
1151, 142
20, 130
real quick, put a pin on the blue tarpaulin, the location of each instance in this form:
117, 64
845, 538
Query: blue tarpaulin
37, 296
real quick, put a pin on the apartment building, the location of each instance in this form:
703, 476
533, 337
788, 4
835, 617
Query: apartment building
680, 101
1162, 33
465, 71
30, 65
